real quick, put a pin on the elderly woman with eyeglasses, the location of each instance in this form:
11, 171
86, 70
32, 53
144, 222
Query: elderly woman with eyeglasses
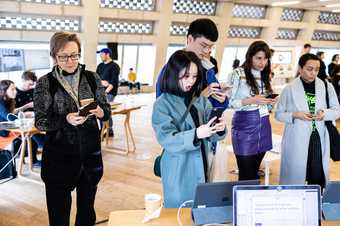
71, 157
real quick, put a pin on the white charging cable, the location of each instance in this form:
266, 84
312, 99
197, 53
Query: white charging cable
179, 211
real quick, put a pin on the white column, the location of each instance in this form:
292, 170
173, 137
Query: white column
163, 35
90, 35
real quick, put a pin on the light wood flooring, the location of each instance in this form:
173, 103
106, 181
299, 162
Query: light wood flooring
126, 178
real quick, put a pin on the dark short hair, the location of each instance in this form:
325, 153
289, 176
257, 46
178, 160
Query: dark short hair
178, 61
29, 75
253, 49
307, 45
203, 27
131, 69
319, 53
306, 57
334, 56
60, 39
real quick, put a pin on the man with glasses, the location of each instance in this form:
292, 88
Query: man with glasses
108, 71
201, 37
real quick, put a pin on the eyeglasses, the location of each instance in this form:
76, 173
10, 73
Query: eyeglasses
65, 58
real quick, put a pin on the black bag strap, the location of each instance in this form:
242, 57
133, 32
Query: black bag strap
327, 95
186, 111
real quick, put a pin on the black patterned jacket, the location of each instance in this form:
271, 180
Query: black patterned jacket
69, 149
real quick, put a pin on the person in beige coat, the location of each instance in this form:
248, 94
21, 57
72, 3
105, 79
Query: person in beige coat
302, 107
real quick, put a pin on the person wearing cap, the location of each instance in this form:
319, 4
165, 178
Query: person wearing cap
108, 71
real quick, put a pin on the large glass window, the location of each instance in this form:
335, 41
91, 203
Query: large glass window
30, 62
146, 64
139, 57
229, 55
171, 49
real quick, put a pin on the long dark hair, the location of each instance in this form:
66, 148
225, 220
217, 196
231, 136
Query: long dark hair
9, 102
178, 61
336, 78
254, 48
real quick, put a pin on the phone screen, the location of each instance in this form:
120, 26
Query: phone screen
272, 96
216, 112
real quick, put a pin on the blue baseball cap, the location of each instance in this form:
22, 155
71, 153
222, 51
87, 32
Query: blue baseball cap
105, 50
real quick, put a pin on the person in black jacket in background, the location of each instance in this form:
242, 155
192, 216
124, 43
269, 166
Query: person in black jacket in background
108, 71
71, 156
336, 80
322, 71
335, 60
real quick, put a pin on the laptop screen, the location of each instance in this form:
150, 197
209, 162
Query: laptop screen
277, 205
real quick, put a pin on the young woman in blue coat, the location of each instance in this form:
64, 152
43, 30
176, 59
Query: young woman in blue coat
184, 163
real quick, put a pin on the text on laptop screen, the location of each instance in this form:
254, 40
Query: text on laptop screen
276, 205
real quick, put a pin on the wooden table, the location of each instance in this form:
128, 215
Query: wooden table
121, 110
26, 135
168, 218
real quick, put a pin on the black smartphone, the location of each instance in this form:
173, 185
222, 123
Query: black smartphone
272, 96
85, 110
217, 111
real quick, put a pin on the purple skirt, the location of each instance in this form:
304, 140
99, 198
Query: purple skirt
250, 133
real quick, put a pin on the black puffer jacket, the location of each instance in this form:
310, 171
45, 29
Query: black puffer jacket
69, 149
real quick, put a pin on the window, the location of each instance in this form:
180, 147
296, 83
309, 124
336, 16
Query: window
29, 48
139, 57
229, 55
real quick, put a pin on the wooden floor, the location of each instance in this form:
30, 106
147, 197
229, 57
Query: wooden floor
126, 178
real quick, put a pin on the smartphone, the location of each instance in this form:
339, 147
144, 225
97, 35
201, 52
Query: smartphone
218, 111
272, 96
85, 110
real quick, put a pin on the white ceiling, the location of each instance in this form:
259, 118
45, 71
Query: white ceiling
304, 4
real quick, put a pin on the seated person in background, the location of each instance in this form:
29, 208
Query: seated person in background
24, 97
24, 100
132, 77
8, 93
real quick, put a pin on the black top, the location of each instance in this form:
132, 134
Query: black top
309, 87
194, 114
330, 68
322, 71
109, 72
24, 97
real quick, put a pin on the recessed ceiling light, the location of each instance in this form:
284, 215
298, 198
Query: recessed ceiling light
325, 0
285, 3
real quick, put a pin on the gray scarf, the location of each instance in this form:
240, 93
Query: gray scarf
72, 86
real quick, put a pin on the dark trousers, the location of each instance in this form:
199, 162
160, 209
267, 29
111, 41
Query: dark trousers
248, 166
59, 203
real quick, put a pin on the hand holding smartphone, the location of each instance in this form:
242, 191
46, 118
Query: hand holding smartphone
272, 96
216, 112
85, 110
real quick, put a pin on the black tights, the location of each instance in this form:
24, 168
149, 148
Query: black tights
248, 166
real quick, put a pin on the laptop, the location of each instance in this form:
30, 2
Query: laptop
213, 202
331, 201
293, 205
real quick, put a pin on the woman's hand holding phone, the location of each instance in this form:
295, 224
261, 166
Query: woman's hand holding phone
74, 119
209, 129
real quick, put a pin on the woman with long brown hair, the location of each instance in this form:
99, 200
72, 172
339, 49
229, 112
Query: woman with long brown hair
251, 129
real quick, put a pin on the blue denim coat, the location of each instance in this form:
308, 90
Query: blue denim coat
182, 163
